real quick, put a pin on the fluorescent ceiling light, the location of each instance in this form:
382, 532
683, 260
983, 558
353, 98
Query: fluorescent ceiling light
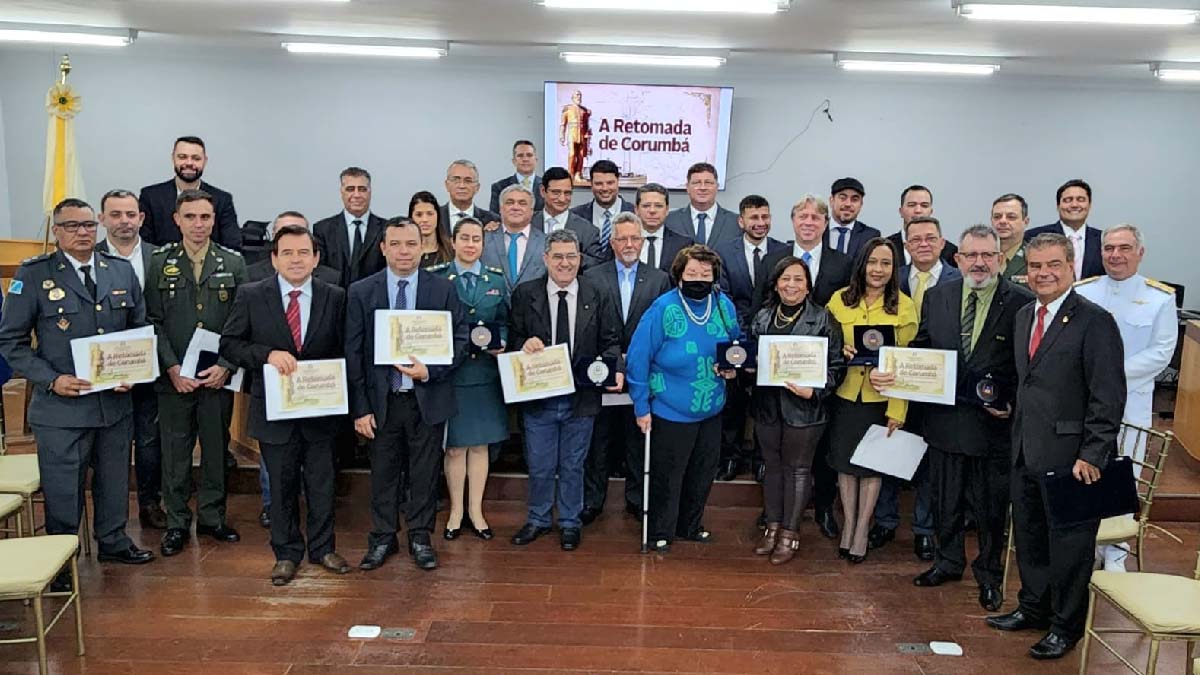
731, 6
1176, 72
66, 35
364, 49
928, 67
677, 60
1131, 16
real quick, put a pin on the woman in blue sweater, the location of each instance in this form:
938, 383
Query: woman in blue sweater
678, 393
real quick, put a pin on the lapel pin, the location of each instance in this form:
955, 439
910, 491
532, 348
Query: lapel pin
62, 266
63, 324
1066, 319
103, 264
56, 294
47, 284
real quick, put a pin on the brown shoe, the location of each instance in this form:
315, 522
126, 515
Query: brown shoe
152, 517
785, 547
283, 572
335, 563
767, 543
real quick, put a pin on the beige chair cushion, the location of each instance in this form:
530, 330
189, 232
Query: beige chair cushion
1116, 529
32, 562
19, 474
9, 504
1163, 603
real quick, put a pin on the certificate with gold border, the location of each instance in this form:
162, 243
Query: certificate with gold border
922, 375
120, 358
315, 389
802, 360
401, 334
529, 377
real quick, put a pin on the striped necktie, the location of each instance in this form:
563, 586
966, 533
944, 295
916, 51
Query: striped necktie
968, 324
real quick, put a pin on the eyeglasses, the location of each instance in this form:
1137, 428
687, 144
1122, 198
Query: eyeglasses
559, 193
564, 257
75, 225
986, 256
931, 240
461, 180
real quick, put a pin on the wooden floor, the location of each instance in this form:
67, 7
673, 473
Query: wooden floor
493, 607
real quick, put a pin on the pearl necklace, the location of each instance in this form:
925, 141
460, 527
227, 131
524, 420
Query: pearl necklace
698, 320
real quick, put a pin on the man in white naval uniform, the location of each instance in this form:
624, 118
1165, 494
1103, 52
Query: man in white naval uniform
1145, 313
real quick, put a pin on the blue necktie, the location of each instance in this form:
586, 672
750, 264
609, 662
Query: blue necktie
807, 258
512, 256
626, 292
841, 242
606, 228
395, 377
701, 235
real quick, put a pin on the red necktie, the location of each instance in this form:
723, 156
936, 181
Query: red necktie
1036, 340
293, 318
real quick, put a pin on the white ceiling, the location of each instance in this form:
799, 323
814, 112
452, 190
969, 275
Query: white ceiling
910, 26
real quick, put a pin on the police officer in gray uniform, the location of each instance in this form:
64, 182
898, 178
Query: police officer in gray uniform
76, 293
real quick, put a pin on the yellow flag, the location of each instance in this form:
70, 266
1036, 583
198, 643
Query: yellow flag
62, 178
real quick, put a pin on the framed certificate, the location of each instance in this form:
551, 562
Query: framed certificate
923, 375
124, 357
315, 389
401, 334
529, 377
801, 360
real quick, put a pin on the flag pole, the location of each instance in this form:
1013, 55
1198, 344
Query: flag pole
64, 69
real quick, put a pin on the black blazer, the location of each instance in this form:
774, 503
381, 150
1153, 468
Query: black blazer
648, 284
257, 325
669, 244
158, 203
948, 274
263, 270
947, 256
964, 428
735, 274
860, 234
833, 276
511, 179
1071, 396
597, 330
368, 382
334, 243
589, 236
1093, 262
482, 215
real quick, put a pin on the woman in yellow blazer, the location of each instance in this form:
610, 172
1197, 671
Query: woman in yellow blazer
873, 298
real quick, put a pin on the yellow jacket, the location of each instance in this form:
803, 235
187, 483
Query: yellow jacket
856, 386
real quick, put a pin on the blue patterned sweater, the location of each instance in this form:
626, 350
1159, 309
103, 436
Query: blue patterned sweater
669, 366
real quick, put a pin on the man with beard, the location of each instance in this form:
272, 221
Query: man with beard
848, 232
606, 200
158, 201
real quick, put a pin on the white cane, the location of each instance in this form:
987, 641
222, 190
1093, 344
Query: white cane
646, 494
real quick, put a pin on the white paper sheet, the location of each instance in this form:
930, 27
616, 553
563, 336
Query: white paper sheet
898, 455
80, 348
204, 340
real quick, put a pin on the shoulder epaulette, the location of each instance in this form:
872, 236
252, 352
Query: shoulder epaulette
226, 249
167, 247
1155, 283
493, 270
440, 267
36, 258
110, 254
1088, 280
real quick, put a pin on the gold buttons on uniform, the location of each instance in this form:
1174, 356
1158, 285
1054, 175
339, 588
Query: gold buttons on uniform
98, 308
199, 307
100, 331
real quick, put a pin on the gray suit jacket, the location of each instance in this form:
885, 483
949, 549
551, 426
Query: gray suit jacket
147, 251
589, 236
495, 254
724, 228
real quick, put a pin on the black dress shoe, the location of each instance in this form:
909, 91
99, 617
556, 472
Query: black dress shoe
879, 536
283, 573
451, 535
990, 598
1053, 646
375, 556
589, 515
827, 524
423, 555
728, 470
221, 532
152, 517
264, 519
843, 553
61, 583
923, 547
569, 539
173, 542
485, 534
1016, 620
934, 577
130, 556
760, 472
856, 559
528, 534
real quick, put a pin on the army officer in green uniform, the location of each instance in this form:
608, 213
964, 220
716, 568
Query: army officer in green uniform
482, 418
76, 293
190, 285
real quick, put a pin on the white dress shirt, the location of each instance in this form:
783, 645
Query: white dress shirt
552, 290
1051, 312
76, 264
598, 212
453, 211
522, 244
935, 273
710, 218
350, 218
305, 300
748, 248
658, 246
814, 266
1079, 243
134, 258
552, 223
834, 235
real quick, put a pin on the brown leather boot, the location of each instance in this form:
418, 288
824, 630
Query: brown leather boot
785, 547
767, 543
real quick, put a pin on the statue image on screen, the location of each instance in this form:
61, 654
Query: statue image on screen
575, 132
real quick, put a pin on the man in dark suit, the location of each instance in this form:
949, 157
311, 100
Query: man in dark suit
916, 202
606, 200
1070, 398
742, 267
926, 268
630, 286
660, 244
121, 216
845, 203
556, 191
970, 444
562, 308
1074, 199
831, 272
266, 267
517, 246
262, 330
462, 184
703, 219
524, 160
349, 241
158, 201
402, 409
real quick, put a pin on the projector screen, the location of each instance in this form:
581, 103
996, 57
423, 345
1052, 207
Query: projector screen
652, 132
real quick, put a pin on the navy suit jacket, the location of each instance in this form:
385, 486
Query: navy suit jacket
368, 383
589, 236
860, 234
158, 203
723, 228
585, 210
948, 274
735, 274
1093, 265
947, 256
482, 215
511, 179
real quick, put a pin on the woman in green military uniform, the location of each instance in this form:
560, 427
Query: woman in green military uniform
482, 418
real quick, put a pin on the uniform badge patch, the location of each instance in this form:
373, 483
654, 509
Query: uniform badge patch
15, 286
56, 294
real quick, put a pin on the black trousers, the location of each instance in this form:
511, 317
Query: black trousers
613, 433
825, 478
1055, 563
979, 485
788, 456
683, 463
404, 443
733, 421
288, 464
147, 448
